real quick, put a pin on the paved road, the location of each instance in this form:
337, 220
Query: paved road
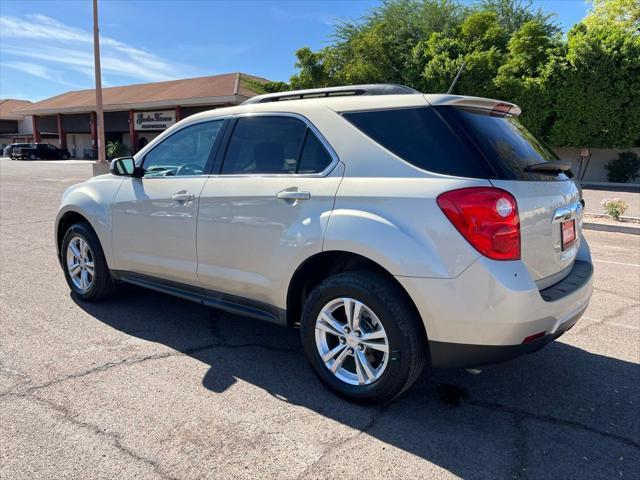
149, 386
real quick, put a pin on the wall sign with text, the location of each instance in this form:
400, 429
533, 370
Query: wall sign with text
160, 120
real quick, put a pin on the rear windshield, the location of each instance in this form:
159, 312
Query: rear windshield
504, 141
421, 137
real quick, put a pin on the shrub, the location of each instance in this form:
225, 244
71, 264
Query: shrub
116, 149
624, 168
614, 207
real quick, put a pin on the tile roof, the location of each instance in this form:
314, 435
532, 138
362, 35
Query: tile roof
8, 105
226, 88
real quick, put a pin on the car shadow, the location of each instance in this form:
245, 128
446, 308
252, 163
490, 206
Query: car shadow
560, 413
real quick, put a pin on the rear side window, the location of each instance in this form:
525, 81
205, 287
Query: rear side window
315, 157
421, 137
273, 145
504, 141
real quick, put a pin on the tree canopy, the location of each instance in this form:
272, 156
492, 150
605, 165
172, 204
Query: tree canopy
578, 89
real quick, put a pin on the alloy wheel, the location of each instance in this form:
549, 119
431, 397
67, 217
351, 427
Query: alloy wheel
80, 264
351, 341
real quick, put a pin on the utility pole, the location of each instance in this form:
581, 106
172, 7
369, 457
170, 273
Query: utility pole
102, 157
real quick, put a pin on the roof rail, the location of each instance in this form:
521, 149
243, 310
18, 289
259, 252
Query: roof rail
343, 91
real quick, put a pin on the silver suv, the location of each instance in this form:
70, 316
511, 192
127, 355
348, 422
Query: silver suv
396, 229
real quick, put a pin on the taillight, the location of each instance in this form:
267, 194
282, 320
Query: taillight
487, 218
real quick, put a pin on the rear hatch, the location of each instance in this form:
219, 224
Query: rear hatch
549, 201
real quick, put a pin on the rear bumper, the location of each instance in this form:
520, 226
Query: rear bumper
460, 355
484, 315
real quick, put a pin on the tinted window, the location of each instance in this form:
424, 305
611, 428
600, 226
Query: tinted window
421, 137
315, 157
272, 144
264, 145
504, 141
184, 153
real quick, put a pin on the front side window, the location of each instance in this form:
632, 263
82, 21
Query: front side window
186, 152
273, 145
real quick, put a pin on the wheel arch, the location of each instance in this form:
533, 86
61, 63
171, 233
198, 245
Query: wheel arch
323, 264
66, 220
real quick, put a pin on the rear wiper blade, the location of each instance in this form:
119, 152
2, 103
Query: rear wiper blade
549, 167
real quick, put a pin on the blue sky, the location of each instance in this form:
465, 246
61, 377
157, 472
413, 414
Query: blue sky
46, 46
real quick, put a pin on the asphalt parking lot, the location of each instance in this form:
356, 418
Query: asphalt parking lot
150, 386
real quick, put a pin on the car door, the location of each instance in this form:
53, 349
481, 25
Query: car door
49, 152
267, 207
154, 217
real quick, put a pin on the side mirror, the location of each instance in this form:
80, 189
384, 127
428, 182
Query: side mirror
125, 166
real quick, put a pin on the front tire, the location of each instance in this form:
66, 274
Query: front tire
33, 156
84, 265
363, 337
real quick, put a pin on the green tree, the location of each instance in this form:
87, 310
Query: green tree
523, 77
479, 42
312, 70
597, 88
378, 47
624, 13
513, 14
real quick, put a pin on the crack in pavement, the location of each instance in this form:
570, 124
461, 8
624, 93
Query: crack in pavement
115, 438
15, 373
26, 223
84, 373
614, 293
375, 416
525, 415
603, 321
138, 360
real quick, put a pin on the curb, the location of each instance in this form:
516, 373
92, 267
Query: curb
608, 227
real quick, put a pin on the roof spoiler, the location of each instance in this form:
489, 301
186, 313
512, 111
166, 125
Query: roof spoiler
343, 91
497, 106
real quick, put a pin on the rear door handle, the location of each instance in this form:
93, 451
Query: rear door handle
183, 197
293, 195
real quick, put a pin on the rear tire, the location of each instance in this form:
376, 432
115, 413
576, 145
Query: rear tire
386, 316
84, 265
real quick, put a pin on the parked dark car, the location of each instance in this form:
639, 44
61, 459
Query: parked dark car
44, 151
12, 149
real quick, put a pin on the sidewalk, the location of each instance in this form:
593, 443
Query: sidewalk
593, 198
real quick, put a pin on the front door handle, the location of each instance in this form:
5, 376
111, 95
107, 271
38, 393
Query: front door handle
183, 197
293, 195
